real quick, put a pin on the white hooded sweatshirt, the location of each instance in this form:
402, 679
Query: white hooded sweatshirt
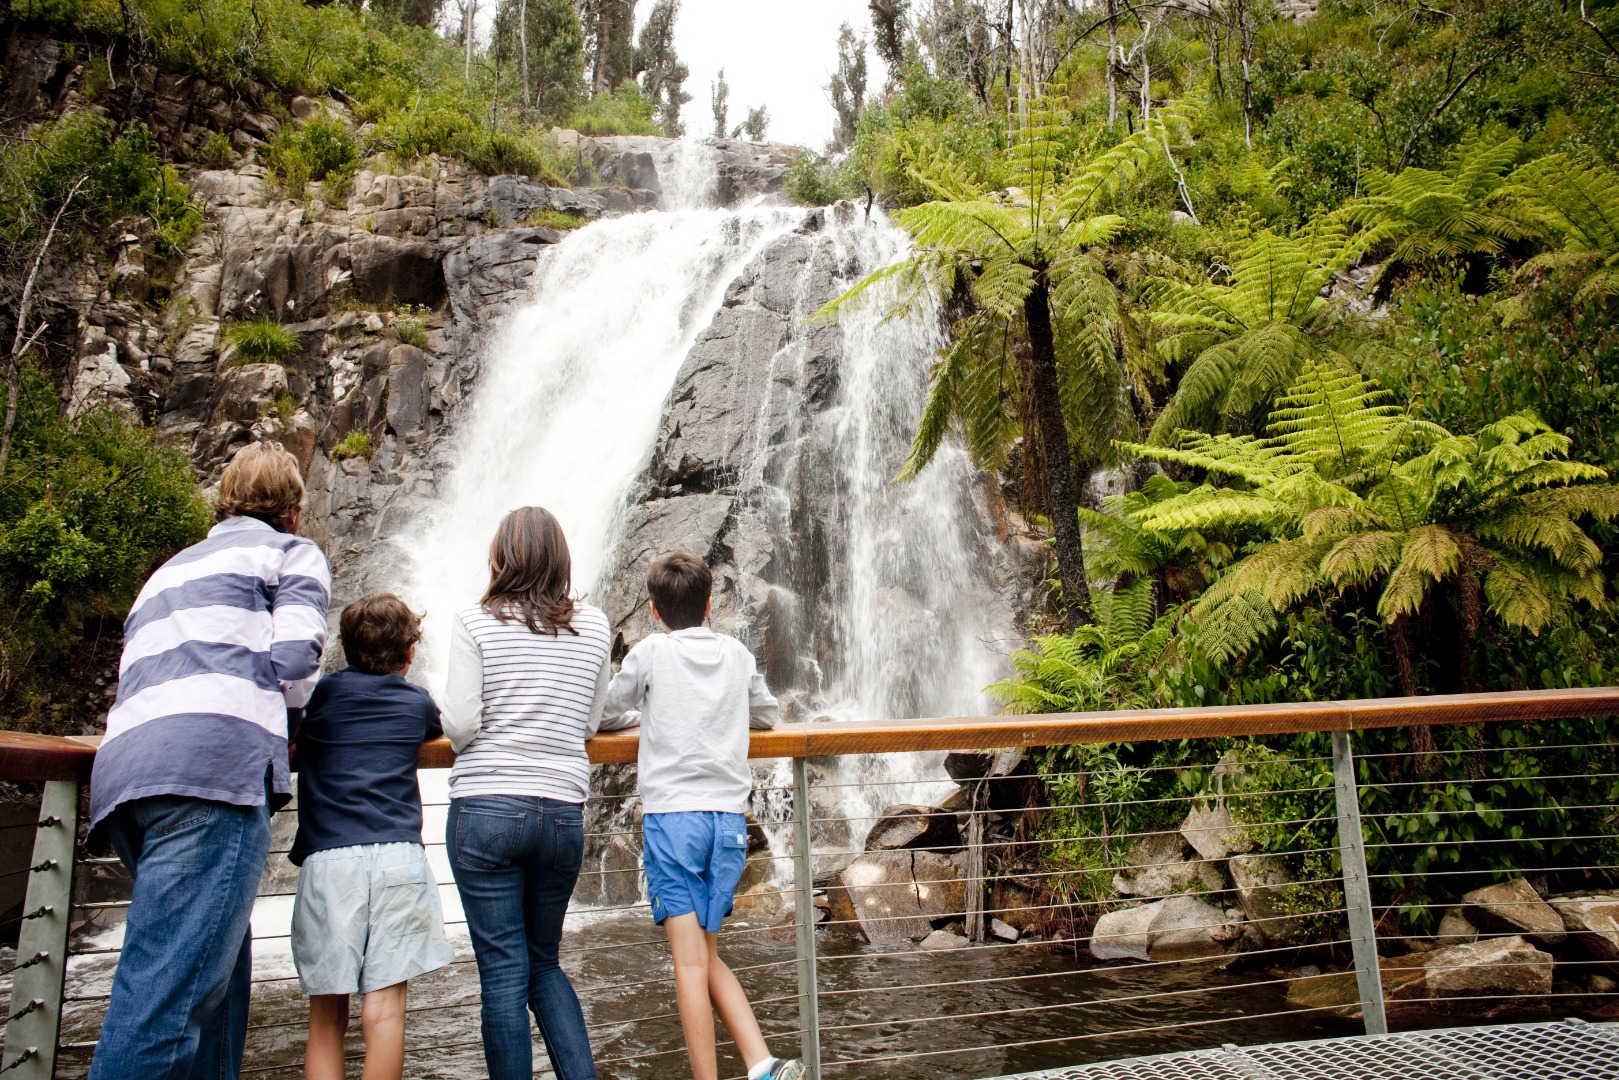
699, 692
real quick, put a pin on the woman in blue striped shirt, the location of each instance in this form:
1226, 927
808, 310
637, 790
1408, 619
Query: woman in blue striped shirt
529, 667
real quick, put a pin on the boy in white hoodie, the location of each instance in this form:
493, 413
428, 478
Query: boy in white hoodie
699, 692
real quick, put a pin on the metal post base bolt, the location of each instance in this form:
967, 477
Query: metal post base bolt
36, 987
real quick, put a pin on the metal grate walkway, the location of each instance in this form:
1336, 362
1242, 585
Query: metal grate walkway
1569, 1050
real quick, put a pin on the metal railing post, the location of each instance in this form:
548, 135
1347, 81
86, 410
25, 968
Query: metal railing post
35, 1019
1357, 886
809, 1012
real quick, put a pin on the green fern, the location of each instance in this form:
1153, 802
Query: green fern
1100, 666
1428, 219
1348, 493
1246, 340
1580, 203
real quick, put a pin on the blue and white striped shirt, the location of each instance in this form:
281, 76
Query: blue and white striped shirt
221, 649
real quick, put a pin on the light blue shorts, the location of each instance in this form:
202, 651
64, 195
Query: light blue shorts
366, 917
693, 861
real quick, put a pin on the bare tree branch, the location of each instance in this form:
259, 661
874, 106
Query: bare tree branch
19, 343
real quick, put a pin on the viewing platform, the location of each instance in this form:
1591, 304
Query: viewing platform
1023, 918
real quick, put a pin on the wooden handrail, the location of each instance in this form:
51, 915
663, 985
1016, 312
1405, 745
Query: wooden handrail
44, 757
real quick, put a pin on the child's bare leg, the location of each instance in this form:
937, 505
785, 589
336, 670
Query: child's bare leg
732, 1004
689, 947
382, 1020
328, 1023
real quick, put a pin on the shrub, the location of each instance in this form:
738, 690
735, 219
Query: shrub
562, 220
318, 149
356, 443
116, 171
88, 507
261, 341
216, 152
812, 180
626, 111
408, 327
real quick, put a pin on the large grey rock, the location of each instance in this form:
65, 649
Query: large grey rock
1262, 884
1505, 967
407, 390
510, 200
941, 888
488, 274
245, 390
907, 826
944, 941
882, 888
1188, 928
1455, 929
1513, 907
1592, 923
391, 271
1208, 828
1122, 934
1157, 865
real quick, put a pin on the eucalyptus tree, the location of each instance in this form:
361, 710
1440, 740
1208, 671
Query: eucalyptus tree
663, 74
1032, 262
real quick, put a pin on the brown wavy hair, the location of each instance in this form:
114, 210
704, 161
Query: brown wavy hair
531, 573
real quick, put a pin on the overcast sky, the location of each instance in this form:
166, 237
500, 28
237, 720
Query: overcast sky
776, 53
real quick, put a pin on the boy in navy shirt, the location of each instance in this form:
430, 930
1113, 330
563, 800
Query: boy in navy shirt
367, 916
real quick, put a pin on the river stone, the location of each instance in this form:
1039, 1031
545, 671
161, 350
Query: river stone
944, 941
941, 888
1157, 866
1491, 967
762, 901
1003, 930
1187, 928
1122, 934
907, 826
1513, 907
1262, 883
1455, 929
1210, 832
1592, 923
882, 890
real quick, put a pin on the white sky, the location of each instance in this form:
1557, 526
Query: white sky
777, 53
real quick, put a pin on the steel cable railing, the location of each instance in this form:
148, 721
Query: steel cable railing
1035, 918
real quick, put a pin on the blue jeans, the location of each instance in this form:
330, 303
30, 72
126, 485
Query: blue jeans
180, 996
515, 859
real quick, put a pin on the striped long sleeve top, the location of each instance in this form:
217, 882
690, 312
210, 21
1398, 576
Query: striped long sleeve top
221, 651
518, 706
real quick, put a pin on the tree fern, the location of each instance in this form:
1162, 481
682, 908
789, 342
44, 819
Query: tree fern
1427, 218
1580, 203
1346, 493
1245, 341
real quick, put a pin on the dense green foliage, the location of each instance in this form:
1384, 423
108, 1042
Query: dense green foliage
88, 506
260, 341
1359, 364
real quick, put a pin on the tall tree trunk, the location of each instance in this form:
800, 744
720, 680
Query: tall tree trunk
469, 17
522, 45
1112, 61
1076, 595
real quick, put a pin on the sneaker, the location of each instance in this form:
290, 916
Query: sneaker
784, 1069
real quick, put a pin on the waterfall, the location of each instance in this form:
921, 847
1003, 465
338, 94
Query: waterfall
871, 598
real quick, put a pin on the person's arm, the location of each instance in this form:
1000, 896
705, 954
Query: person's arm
462, 711
298, 626
433, 717
763, 712
626, 690
604, 676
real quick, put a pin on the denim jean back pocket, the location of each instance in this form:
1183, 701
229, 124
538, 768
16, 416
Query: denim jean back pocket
486, 839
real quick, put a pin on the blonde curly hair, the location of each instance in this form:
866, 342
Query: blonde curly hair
261, 481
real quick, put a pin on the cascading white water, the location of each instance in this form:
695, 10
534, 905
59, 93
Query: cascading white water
572, 388
566, 410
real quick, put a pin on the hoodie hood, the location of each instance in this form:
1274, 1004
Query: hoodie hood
699, 646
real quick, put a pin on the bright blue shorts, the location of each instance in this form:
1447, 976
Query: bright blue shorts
693, 861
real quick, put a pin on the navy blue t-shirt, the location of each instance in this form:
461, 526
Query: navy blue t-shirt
357, 750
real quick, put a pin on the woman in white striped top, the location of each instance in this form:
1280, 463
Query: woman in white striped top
529, 667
